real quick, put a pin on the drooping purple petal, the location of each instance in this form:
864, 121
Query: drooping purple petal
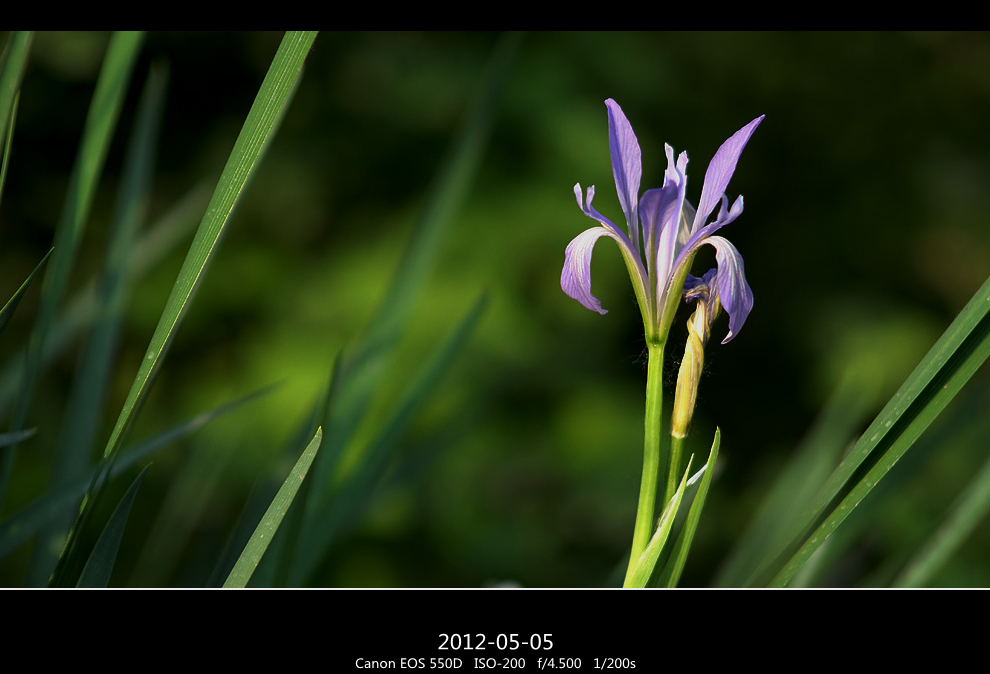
627, 167
720, 171
730, 280
575, 279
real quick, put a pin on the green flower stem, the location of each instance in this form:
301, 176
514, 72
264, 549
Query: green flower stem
643, 530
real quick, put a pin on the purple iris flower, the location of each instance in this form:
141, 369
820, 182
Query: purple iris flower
665, 232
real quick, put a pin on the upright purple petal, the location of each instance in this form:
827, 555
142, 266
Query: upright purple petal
627, 167
720, 171
730, 281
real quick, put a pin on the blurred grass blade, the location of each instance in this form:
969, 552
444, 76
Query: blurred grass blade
794, 489
101, 120
14, 438
12, 66
961, 349
84, 410
678, 556
24, 524
11, 306
5, 158
647, 563
969, 510
364, 365
255, 548
259, 128
99, 566
330, 515
81, 311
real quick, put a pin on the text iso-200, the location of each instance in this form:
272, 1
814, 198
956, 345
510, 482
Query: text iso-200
502, 642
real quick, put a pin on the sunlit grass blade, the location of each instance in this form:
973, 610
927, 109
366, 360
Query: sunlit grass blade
330, 515
101, 120
961, 349
20, 527
84, 410
672, 570
967, 512
259, 128
11, 306
99, 566
645, 567
256, 547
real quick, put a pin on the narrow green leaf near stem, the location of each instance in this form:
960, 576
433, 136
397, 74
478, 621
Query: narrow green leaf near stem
643, 530
678, 555
640, 573
263, 534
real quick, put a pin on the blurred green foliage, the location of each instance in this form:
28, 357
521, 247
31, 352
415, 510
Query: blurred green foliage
864, 233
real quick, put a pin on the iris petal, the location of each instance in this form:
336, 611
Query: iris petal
720, 171
627, 167
733, 291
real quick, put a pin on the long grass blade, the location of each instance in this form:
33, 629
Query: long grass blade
262, 537
99, 566
12, 66
961, 349
108, 98
259, 128
84, 410
647, 562
20, 527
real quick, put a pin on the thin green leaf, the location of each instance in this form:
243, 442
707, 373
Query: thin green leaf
969, 510
5, 160
363, 366
647, 563
108, 98
671, 574
329, 516
256, 547
99, 566
11, 305
12, 66
963, 347
259, 128
84, 410
24, 524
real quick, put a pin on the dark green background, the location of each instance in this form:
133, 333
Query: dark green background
864, 233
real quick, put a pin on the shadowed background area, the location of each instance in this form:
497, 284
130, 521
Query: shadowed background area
866, 192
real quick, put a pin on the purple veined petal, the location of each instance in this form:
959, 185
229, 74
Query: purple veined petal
730, 280
671, 218
627, 167
720, 171
575, 279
